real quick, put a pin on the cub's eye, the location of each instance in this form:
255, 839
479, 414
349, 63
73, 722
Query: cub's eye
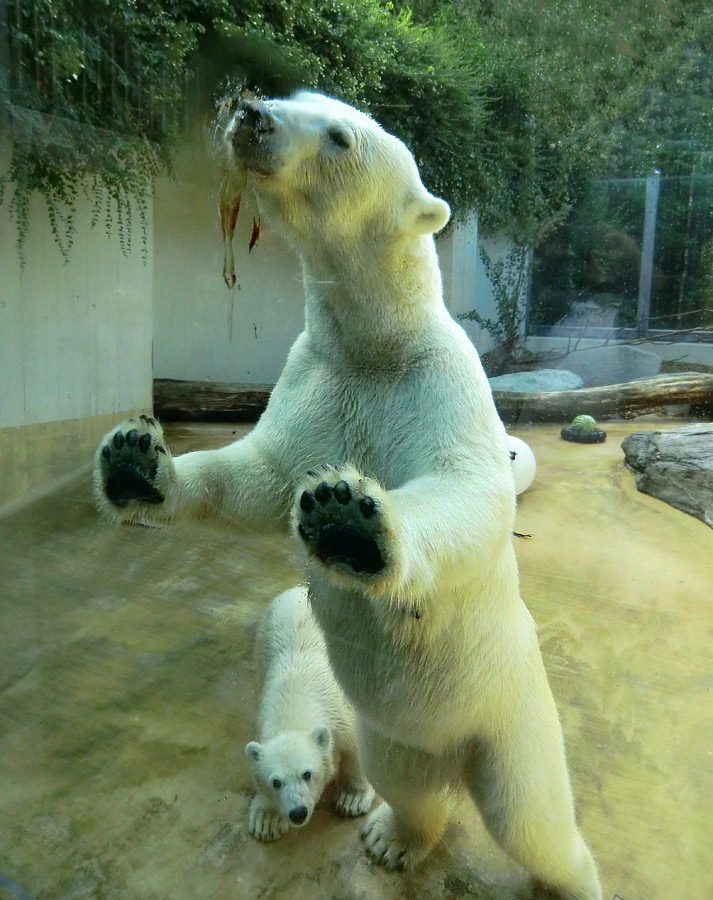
340, 137
276, 783
307, 775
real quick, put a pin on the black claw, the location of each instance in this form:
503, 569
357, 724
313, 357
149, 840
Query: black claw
144, 442
342, 493
307, 502
132, 437
160, 448
311, 473
106, 452
118, 440
323, 492
367, 507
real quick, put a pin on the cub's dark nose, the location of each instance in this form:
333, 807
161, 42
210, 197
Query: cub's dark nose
298, 814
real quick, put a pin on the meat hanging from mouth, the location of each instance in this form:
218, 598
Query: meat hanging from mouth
231, 194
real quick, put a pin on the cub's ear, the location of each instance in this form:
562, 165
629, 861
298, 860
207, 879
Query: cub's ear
322, 737
253, 751
426, 214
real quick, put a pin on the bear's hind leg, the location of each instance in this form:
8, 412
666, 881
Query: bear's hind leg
401, 832
522, 791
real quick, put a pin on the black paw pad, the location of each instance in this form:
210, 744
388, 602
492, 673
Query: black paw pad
346, 545
126, 484
307, 501
322, 492
132, 437
118, 440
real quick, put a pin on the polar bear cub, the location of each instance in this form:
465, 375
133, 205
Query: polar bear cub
306, 725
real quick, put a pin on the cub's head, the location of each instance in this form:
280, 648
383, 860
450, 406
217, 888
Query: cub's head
293, 768
328, 173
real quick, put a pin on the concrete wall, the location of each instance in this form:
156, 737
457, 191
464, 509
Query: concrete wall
202, 330
465, 284
75, 345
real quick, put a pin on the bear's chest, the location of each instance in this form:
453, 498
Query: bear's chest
385, 422
381, 423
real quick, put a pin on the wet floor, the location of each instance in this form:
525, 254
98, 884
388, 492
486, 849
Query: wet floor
127, 696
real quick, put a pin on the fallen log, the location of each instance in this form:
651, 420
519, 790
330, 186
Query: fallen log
611, 401
209, 401
216, 401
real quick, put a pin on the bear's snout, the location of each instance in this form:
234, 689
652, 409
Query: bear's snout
254, 117
298, 815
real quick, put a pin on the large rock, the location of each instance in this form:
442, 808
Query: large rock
537, 381
675, 466
615, 364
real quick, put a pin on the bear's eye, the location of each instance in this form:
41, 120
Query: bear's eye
339, 137
276, 783
307, 775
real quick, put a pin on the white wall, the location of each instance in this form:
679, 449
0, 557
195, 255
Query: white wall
75, 346
75, 337
203, 331
465, 284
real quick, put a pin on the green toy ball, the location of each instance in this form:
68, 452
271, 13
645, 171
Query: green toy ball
583, 430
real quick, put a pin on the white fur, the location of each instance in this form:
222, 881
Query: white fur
436, 651
307, 734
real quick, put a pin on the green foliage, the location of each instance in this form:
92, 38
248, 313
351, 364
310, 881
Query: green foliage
508, 107
90, 99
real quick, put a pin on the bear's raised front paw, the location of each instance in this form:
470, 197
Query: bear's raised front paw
386, 844
264, 822
354, 799
341, 518
128, 460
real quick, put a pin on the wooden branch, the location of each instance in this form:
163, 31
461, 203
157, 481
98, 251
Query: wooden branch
210, 401
611, 401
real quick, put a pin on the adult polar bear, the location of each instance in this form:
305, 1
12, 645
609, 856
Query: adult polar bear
382, 446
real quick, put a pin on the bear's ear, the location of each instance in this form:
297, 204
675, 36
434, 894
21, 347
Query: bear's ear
322, 737
253, 751
427, 214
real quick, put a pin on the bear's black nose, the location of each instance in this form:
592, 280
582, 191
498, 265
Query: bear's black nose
255, 117
298, 814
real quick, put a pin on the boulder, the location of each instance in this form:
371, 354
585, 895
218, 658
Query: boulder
537, 381
615, 364
675, 466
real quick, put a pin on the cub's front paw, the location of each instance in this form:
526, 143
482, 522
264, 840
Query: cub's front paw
264, 822
132, 466
342, 519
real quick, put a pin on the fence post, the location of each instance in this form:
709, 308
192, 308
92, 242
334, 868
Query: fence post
647, 254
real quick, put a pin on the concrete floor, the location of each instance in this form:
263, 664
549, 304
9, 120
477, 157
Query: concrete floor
127, 695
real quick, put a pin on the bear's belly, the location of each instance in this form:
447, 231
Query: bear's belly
427, 694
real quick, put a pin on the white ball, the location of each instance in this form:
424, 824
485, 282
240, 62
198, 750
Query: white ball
524, 465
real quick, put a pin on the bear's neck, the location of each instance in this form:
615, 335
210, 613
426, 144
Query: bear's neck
373, 308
